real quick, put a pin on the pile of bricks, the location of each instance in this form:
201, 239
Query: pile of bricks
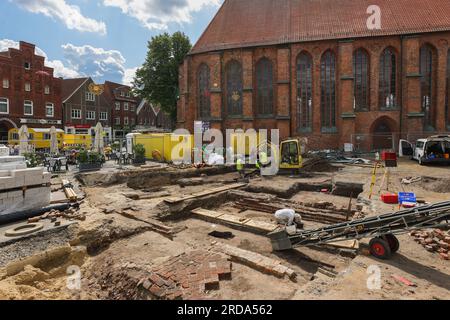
435, 240
257, 261
188, 276
22, 189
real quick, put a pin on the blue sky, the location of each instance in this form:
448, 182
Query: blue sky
105, 39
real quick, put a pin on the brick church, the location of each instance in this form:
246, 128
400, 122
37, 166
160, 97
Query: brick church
314, 69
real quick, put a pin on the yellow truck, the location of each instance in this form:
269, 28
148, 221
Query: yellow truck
39, 138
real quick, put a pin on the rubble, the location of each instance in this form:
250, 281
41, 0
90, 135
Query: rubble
187, 276
436, 241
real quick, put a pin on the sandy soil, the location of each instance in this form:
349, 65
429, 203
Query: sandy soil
120, 250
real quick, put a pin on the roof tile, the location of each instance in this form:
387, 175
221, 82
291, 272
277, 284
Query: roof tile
248, 23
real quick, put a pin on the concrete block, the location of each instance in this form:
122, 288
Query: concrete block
12, 159
13, 166
46, 178
5, 173
7, 183
15, 194
26, 172
4, 151
19, 182
33, 179
35, 198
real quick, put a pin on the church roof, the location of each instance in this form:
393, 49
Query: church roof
250, 23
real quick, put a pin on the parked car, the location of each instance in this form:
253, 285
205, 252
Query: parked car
435, 149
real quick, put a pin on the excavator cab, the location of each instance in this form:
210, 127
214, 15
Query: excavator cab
291, 155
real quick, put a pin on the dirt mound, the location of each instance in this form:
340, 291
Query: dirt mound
439, 185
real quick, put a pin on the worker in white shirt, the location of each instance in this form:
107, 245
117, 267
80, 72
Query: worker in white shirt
288, 217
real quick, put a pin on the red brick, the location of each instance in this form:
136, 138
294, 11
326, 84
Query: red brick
157, 280
157, 291
147, 284
444, 256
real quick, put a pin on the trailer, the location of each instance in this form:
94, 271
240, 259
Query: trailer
382, 230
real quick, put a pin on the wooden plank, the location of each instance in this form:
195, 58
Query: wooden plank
233, 219
207, 213
260, 225
58, 197
205, 193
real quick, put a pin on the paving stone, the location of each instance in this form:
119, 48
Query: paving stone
205, 271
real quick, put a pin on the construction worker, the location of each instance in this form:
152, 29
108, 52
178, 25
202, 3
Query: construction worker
263, 158
262, 162
240, 166
288, 217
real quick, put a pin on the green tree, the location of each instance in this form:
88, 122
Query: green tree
157, 79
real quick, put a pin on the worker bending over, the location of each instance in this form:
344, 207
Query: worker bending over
288, 217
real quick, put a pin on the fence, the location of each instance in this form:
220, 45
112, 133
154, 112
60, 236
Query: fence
377, 142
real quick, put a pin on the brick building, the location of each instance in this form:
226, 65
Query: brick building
123, 108
29, 93
84, 109
152, 118
314, 69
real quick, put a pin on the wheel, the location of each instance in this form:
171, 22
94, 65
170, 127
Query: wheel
394, 244
380, 249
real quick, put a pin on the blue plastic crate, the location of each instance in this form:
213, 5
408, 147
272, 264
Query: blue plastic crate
407, 197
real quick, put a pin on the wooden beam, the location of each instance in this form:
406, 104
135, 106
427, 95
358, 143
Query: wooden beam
205, 193
235, 221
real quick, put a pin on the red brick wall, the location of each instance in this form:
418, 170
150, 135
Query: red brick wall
12, 68
404, 121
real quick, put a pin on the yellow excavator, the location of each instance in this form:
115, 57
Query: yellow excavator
289, 154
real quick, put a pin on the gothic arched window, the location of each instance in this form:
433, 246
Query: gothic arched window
361, 86
264, 87
233, 76
427, 88
204, 91
388, 80
328, 91
304, 92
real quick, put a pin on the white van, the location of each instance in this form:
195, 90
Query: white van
435, 149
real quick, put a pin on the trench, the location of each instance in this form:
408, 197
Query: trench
114, 282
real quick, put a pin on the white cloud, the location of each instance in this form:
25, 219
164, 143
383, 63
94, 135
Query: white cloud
157, 14
70, 15
85, 61
129, 75
99, 63
60, 70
